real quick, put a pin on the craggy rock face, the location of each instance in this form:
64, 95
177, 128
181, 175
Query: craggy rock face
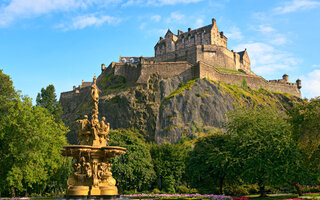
165, 110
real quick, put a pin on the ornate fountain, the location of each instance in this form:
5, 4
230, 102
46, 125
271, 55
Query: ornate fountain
92, 177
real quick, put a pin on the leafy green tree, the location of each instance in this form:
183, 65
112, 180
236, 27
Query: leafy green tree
261, 142
30, 148
7, 94
304, 117
30, 144
134, 170
210, 163
169, 165
48, 99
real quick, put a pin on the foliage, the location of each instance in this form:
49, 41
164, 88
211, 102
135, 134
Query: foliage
169, 165
261, 143
134, 170
182, 87
48, 99
244, 96
305, 118
30, 148
209, 163
111, 82
30, 144
227, 70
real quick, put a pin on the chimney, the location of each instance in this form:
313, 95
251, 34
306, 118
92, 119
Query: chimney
103, 67
285, 77
161, 38
189, 29
180, 32
213, 21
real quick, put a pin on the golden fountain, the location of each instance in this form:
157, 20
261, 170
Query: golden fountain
92, 176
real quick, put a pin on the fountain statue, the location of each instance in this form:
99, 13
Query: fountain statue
92, 175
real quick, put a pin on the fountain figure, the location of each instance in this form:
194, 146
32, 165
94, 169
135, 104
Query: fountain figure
92, 177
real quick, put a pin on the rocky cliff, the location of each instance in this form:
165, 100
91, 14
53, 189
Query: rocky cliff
166, 110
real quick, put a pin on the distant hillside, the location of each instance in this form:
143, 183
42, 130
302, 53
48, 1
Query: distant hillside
166, 110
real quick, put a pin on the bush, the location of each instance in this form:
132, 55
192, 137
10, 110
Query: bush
129, 191
156, 191
253, 189
183, 189
236, 190
193, 191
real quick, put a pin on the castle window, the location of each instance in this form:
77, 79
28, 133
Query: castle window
202, 35
189, 38
182, 40
195, 37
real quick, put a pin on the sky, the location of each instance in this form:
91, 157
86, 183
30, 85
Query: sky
62, 42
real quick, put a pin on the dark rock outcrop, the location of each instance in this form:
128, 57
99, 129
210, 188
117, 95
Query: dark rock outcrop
165, 110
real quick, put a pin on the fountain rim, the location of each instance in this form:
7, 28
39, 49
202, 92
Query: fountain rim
93, 147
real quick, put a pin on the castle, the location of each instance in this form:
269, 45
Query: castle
198, 53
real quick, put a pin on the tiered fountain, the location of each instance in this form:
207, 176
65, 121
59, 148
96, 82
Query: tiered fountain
92, 177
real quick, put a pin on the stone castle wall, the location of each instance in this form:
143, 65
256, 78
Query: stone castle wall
253, 81
140, 72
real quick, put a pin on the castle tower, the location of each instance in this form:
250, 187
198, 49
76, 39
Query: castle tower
285, 78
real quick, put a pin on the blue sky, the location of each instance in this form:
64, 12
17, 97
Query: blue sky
62, 42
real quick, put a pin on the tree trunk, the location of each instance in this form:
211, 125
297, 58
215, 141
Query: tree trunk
298, 188
12, 192
221, 185
262, 189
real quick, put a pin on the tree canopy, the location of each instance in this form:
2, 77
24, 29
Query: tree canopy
48, 99
30, 143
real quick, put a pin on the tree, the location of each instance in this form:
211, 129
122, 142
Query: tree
169, 165
30, 148
134, 170
304, 117
30, 144
48, 99
7, 94
210, 163
261, 142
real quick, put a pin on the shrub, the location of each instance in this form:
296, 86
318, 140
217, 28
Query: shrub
183, 189
156, 191
253, 189
236, 190
193, 191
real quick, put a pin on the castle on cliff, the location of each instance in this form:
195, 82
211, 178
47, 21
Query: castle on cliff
198, 53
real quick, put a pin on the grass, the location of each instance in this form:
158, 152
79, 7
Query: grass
227, 70
182, 87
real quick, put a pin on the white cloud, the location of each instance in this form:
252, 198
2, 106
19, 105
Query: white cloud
315, 65
156, 18
311, 84
199, 23
20, 9
27, 8
266, 60
234, 33
157, 2
81, 22
142, 25
278, 39
265, 29
175, 17
296, 5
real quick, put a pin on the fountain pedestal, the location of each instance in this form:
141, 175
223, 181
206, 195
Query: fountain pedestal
92, 177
